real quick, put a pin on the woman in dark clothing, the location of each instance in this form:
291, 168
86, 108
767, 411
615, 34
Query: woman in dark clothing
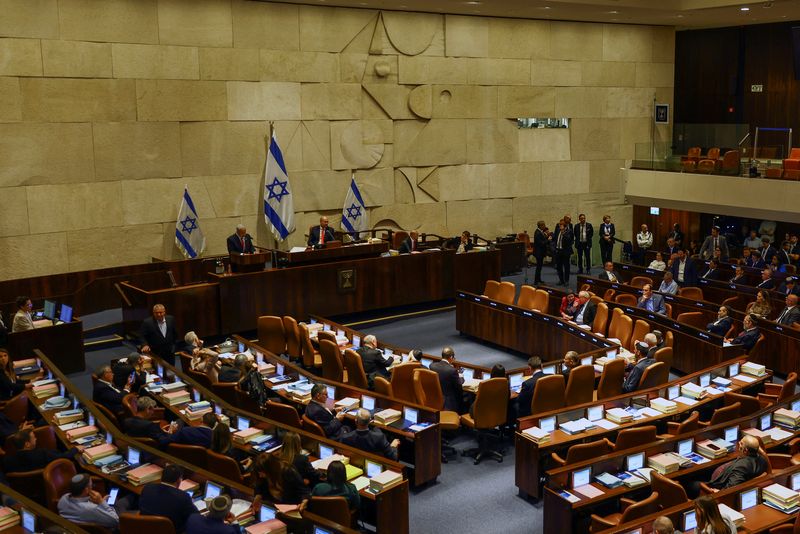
10, 385
336, 485
221, 443
291, 454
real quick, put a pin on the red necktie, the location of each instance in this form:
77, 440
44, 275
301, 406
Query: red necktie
243, 245
321, 235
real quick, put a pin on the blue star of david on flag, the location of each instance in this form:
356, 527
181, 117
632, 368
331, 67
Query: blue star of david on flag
355, 218
189, 236
282, 192
189, 224
278, 204
353, 212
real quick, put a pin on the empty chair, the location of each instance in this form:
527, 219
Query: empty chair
694, 153
665, 356
690, 424
695, 319
226, 390
713, 154
640, 329
724, 414
134, 523
641, 281
629, 438
312, 426
355, 369
282, 413
541, 301
526, 297
382, 386
506, 293
631, 510
706, 166
16, 408
224, 466
548, 394
292, 332
330, 335
403, 381
611, 379
193, 454
669, 338
670, 492
779, 392
270, 334
488, 412
654, 375
668, 309
733, 303
491, 289
332, 368
621, 330
626, 299
584, 451
600, 323
731, 162
310, 357
608, 296
748, 405
580, 385
789, 528
245, 401
694, 293
333, 509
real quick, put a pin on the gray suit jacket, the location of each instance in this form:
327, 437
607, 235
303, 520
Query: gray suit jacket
22, 321
707, 250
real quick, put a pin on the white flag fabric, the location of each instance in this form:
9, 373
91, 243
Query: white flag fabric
189, 237
278, 200
354, 214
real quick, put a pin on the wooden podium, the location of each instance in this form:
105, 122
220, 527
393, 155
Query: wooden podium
249, 263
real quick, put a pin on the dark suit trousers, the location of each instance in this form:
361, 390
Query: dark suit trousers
606, 250
562, 264
538, 276
584, 256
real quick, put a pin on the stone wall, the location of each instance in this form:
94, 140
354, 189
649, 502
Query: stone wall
109, 107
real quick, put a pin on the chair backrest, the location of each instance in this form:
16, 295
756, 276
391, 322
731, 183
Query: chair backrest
310, 425
668, 309
491, 403
600, 319
491, 289
526, 297
203, 378
748, 404
282, 413
654, 375
245, 401
611, 378
648, 506
428, 389
186, 361
332, 367
670, 492
226, 390
330, 335
580, 385
306, 348
694, 293
29, 483
398, 237
16, 408
587, 451
105, 411
355, 369
706, 165
134, 523
664, 355
403, 381
332, 508
129, 407
695, 319
641, 281
623, 331
541, 301
690, 424
789, 386
758, 349
640, 329
616, 317
382, 386
628, 299
726, 413
525, 238
224, 466
732, 302
694, 152
669, 338
194, 454
629, 438
57, 476
549, 394
270, 334
507, 292
609, 294
292, 332
713, 153
731, 161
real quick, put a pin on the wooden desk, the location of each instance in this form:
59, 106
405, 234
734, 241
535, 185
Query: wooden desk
327, 255
513, 256
65, 341
248, 263
44, 516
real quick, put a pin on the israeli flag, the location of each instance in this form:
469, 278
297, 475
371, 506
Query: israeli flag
189, 237
278, 203
354, 213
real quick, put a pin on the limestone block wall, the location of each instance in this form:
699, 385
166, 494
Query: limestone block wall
109, 107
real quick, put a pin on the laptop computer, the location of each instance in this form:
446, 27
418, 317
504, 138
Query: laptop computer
212, 490
515, 382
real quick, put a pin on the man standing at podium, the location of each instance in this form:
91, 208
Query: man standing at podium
240, 242
321, 234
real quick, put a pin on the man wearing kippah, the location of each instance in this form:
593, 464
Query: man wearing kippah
84, 505
214, 523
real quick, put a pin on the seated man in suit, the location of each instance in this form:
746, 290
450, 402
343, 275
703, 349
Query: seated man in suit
651, 301
712, 273
165, 499
526, 390
372, 359
747, 465
739, 277
766, 279
643, 361
28, 457
449, 380
756, 260
329, 419
608, 273
142, 425
465, 243
321, 234
159, 335
370, 439
196, 435
409, 244
233, 373
240, 242
571, 361
132, 365
748, 337
789, 286
586, 310
791, 313
216, 521
668, 285
106, 393
723, 323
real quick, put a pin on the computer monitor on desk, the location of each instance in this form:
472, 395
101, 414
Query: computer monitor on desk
50, 309
66, 314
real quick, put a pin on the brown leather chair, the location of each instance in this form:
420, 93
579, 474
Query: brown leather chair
245, 401
491, 289
583, 451
311, 358
669, 337
93, 528
327, 334
282, 413
226, 391
622, 330
608, 296
628, 438
665, 356
332, 368
16, 408
631, 510
757, 352
129, 408
690, 424
311, 426
580, 385
723, 415
641, 281
28, 483
733, 302
506, 293
292, 332
186, 361
428, 390
331, 508
194, 454
382, 386
57, 476
654, 375
355, 369
541, 301
789, 528
731, 162
696, 319
749, 405
548, 394
706, 166
671, 493
224, 466
489, 411
397, 238
693, 293
627, 299
403, 381
600, 324
775, 393
640, 329
110, 416
270, 334
526, 297
134, 523
611, 379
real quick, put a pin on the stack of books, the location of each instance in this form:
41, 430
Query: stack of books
577, 426
664, 463
322, 464
753, 369
300, 392
173, 398
23, 368
384, 480
8, 518
242, 511
781, 498
68, 416
536, 434
196, 410
737, 518
145, 474
173, 386
92, 454
188, 484
664, 405
608, 480
266, 369
692, 390
273, 526
765, 437
347, 403
46, 390
618, 415
786, 417
248, 434
387, 416
713, 448
77, 433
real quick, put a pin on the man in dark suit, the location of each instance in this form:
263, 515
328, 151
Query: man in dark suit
586, 311
608, 273
583, 243
525, 396
540, 240
784, 254
747, 337
748, 465
607, 233
449, 380
676, 235
766, 279
755, 260
321, 234
372, 359
409, 244
159, 334
142, 426
791, 313
28, 457
233, 373
651, 301
683, 270
739, 277
165, 499
713, 272
571, 361
672, 248
767, 250
125, 367
723, 323
106, 393
563, 238
643, 361
370, 439
713, 242
789, 286
240, 242
196, 435
329, 420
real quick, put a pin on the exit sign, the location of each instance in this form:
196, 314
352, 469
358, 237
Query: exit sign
757, 88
